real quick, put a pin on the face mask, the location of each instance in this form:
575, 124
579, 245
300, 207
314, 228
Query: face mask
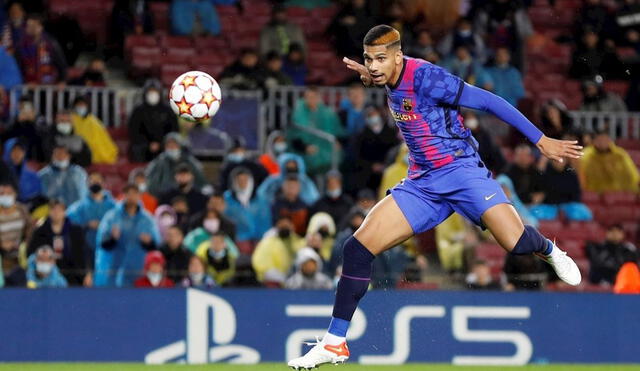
235, 157
64, 128
61, 164
211, 225
44, 268
142, 187
217, 255
324, 233
280, 147
7, 201
291, 170
153, 97
154, 278
334, 193
471, 123
183, 185
173, 153
375, 124
82, 110
95, 188
284, 233
464, 33
166, 221
196, 277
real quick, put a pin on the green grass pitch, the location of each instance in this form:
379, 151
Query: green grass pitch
279, 366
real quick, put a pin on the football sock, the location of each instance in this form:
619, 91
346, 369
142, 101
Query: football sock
531, 242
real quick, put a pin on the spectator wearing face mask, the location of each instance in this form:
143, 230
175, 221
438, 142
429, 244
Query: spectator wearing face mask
308, 275
196, 201
149, 123
154, 272
214, 216
92, 130
219, 257
63, 134
138, 177
63, 180
161, 171
198, 277
88, 211
165, 217
25, 128
93, 75
334, 202
394, 173
489, 151
480, 277
608, 167
320, 234
239, 157
352, 109
124, 236
276, 251
16, 227
210, 223
288, 203
42, 271
290, 164
176, 254
276, 146
463, 35
29, 184
507, 80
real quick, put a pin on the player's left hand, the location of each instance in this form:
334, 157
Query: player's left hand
558, 149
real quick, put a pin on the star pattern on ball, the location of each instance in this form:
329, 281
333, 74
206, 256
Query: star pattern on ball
183, 106
208, 98
188, 81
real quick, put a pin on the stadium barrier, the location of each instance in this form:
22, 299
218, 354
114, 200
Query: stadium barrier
621, 125
249, 326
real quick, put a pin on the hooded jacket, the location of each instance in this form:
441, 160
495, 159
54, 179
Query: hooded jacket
298, 281
92, 130
29, 185
221, 269
87, 209
78, 147
69, 184
270, 187
275, 253
252, 219
610, 171
150, 258
393, 174
54, 279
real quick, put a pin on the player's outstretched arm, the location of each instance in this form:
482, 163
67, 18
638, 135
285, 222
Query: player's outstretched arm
476, 98
359, 68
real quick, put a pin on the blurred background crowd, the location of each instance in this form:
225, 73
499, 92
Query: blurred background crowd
85, 204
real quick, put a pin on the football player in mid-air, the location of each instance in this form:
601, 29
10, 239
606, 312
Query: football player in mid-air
446, 175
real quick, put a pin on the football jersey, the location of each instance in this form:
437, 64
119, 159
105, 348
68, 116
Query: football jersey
424, 105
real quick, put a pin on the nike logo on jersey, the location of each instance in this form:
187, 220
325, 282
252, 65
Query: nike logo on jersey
487, 198
339, 350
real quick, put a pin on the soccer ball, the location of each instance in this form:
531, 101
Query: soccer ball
195, 96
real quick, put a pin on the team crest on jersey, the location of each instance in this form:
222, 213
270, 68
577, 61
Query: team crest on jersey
407, 104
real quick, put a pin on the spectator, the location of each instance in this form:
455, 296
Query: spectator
524, 175
312, 113
14, 29
176, 254
244, 73
29, 184
196, 201
522, 210
40, 57
210, 224
62, 179
463, 35
294, 65
450, 236
196, 17
396, 15
137, 176
276, 252
561, 189
394, 173
352, 109
124, 236
480, 277
607, 167
289, 164
471, 71
507, 80
279, 34
130, 17
591, 58
64, 134
320, 235
198, 276
490, 153
593, 16
154, 272
555, 119
68, 242
24, 128
10, 76
212, 217
274, 75
275, 146
180, 207
89, 211
160, 172
248, 210
606, 258
93, 75
348, 27
15, 229
288, 203
365, 201
238, 157
42, 271
371, 146
149, 123
334, 202
166, 217
308, 274
91, 129
65, 29
423, 46
596, 99
354, 220
220, 259
628, 279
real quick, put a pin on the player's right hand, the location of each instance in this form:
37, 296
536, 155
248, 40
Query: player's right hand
359, 68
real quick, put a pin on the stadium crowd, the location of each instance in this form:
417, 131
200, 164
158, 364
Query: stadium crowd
279, 219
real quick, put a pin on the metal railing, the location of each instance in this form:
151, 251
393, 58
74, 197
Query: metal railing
621, 125
335, 147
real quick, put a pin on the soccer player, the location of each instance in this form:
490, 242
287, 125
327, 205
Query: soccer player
445, 175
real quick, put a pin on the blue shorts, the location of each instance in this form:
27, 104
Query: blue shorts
464, 186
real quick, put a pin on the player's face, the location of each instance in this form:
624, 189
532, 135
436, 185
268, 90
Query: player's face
384, 64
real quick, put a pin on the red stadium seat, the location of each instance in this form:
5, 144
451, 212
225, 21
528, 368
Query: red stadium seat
629, 144
175, 55
591, 197
619, 198
635, 156
210, 43
140, 40
176, 42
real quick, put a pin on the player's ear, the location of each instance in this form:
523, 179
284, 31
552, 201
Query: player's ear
398, 56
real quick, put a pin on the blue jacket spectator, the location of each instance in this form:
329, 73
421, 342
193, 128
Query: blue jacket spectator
29, 185
521, 208
507, 80
352, 109
245, 207
124, 236
289, 164
63, 180
294, 66
42, 270
465, 67
184, 13
10, 75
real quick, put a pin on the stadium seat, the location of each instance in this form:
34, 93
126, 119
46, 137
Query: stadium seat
170, 42
619, 198
591, 197
140, 40
178, 55
629, 144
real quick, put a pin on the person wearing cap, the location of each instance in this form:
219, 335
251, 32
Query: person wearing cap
63, 180
308, 275
154, 272
236, 157
124, 236
149, 122
596, 99
335, 202
92, 130
184, 179
29, 185
161, 171
62, 133
16, 227
42, 270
